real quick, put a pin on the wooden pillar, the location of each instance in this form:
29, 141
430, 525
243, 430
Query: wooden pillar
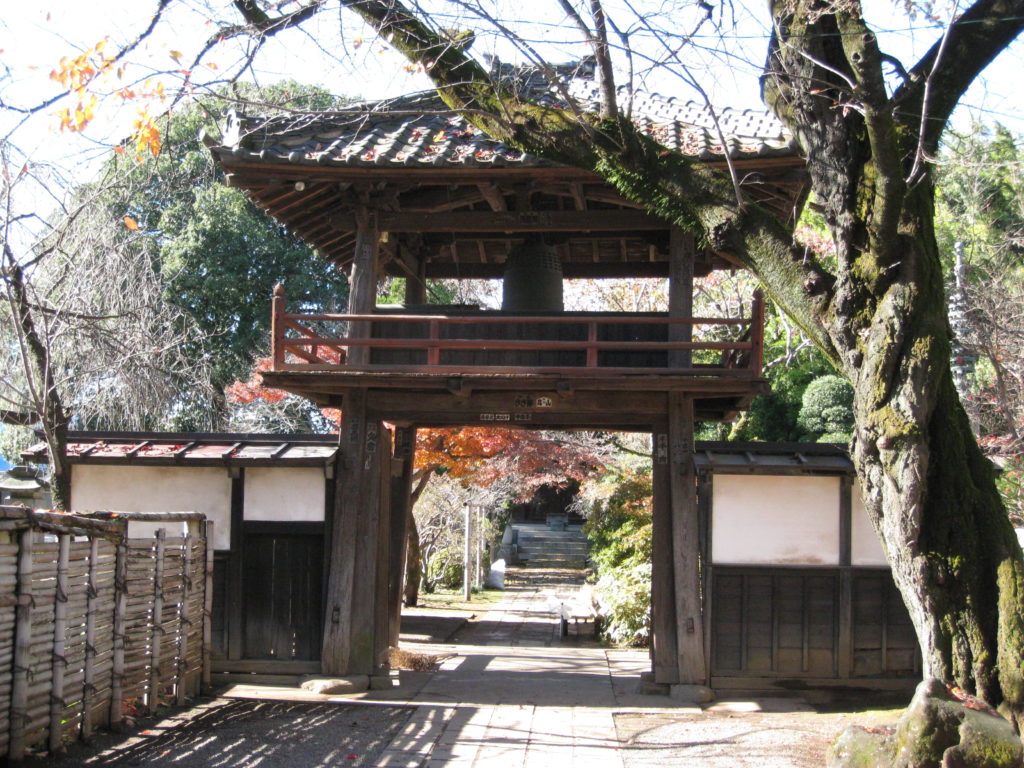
663, 609
362, 281
685, 542
416, 287
236, 567
351, 644
400, 510
381, 587
844, 647
681, 253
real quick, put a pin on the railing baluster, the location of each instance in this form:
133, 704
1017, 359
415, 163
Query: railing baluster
310, 351
591, 349
434, 352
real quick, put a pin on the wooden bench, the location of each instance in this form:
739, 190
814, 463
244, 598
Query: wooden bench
583, 607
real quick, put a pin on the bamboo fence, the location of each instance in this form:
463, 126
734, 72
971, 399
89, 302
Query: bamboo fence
94, 624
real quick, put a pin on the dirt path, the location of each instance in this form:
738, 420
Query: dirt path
735, 740
236, 733
509, 692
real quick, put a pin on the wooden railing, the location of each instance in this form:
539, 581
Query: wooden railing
340, 342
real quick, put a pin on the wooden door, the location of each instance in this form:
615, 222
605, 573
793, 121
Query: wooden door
283, 591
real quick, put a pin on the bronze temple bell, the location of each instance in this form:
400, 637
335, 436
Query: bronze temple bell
533, 278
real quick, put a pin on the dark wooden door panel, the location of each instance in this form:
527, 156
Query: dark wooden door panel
884, 643
283, 596
785, 623
776, 624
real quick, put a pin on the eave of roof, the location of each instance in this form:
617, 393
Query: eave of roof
193, 449
420, 131
772, 458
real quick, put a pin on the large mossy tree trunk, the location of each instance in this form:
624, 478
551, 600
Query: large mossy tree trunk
878, 312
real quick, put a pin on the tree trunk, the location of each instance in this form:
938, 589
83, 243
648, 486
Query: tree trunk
413, 566
931, 495
47, 400
413, 556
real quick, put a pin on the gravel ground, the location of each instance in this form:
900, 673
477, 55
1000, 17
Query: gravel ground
735, 740
236, 733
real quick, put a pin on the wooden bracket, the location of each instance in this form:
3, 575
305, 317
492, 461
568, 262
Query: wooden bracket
458, 387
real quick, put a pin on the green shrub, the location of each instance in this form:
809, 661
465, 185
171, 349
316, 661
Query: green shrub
618, 511
624, 596
827, 409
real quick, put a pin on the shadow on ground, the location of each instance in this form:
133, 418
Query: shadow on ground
244, 734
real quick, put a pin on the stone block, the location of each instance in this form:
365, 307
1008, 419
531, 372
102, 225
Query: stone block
694, 694
331, 686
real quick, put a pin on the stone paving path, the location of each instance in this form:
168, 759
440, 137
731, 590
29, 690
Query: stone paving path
516, 694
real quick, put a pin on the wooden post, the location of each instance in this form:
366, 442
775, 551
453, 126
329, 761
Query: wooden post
663, 608
157, 635
89, 665
362, 296
757, 332
705, 497
120, 611
416, 287
22, 649
478, 572
208, 607
681, 253
467, 581
184, 621
844, 646
401, 491
277, 327
686, 542
349, 626
381, 607
235, 640
59, 662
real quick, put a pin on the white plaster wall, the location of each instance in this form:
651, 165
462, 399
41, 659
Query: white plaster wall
284, 494
773, 519
865, 548
156, 489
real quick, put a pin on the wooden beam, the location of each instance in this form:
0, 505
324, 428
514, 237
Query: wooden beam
438, 200
686, 542
510, 221
579, 198
492, 194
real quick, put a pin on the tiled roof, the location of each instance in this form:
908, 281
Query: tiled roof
772, 458
421, 131
191, 449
